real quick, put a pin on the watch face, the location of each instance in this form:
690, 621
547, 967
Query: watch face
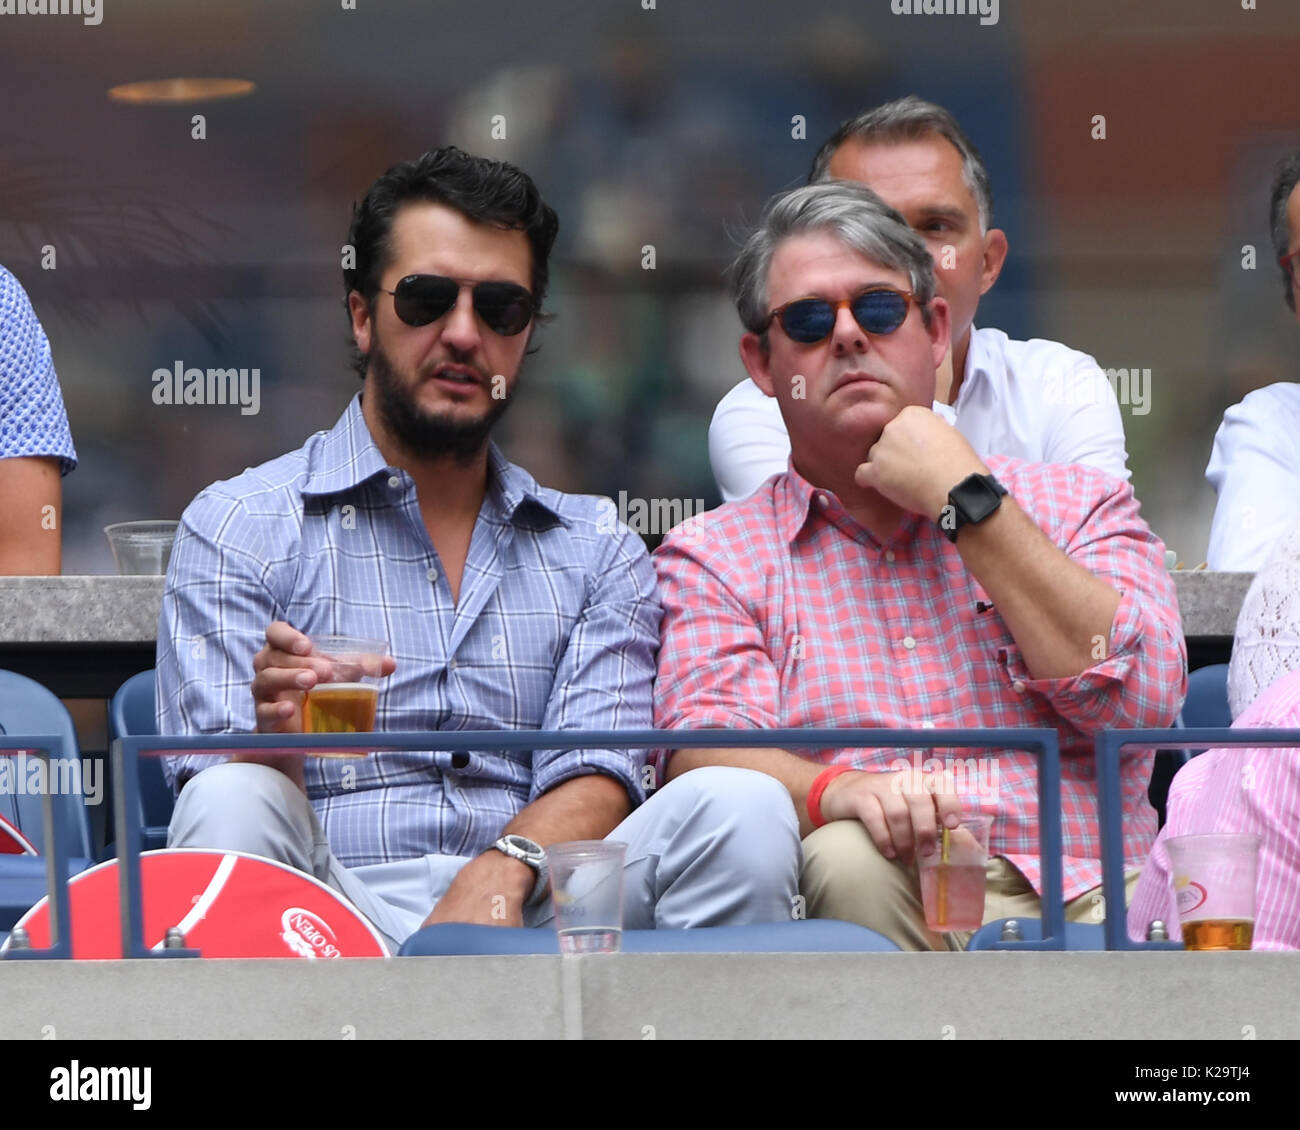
524, 846
977, 497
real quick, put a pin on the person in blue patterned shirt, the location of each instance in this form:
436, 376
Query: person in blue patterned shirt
506, 606
35, 443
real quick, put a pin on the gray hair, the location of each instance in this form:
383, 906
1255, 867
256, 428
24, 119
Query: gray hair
848, 210
911, 119
1285, 179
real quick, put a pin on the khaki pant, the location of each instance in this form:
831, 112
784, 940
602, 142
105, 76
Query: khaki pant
846, 877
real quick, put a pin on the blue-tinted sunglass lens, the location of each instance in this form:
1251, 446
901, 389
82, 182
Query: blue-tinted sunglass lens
808, 320
880, 311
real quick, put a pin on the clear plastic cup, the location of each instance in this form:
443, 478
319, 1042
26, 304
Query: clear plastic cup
953, 878
587, 894
346, 701
141, 548
1214, 886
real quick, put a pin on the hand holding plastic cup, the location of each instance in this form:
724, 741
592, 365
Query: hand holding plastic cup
587, 894
346, 701
953, 879
1214, 886
141, 548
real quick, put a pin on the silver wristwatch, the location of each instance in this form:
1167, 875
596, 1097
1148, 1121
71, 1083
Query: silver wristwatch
526, 851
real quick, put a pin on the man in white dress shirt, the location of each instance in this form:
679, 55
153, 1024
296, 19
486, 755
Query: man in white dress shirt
1255, 465
1037, 400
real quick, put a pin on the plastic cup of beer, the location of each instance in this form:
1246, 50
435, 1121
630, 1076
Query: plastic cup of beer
587, 894
953, 879
345, 701
1214, 887
141, 548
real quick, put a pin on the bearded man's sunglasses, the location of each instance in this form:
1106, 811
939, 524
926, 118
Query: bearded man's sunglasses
505, 307
878, 310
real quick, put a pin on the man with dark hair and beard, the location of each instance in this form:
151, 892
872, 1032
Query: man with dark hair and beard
505, 605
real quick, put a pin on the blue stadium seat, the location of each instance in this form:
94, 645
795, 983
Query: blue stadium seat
132, 711
1206, 705
1207, 698
1078, 935
814, 935
28, 708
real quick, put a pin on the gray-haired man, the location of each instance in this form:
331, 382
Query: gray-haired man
887, 579
1037, 400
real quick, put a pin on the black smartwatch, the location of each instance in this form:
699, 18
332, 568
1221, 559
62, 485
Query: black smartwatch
969, 503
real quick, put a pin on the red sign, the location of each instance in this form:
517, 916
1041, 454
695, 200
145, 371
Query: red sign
227, 904
13, 842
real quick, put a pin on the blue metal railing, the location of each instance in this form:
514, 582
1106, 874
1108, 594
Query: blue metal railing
1040, 742
1110, 745
57, 835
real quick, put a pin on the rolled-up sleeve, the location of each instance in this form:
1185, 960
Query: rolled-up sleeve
715, 671
605, 677
1139, 676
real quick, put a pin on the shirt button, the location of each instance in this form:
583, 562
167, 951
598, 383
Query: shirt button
927, 725
908, 642
452, 665
394, 481
1018, 686
823, 501
432, 574
889, 556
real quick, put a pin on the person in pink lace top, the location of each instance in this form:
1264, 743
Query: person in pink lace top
1247, 790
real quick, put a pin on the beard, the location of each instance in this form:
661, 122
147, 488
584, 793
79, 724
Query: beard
422, 433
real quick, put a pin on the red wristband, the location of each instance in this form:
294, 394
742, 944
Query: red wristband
824, 778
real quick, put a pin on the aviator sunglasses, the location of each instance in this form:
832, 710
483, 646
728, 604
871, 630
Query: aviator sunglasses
878, 310
505, 307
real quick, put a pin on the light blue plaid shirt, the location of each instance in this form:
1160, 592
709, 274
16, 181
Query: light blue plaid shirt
557, 628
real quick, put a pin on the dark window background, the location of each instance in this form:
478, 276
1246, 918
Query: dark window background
665, 127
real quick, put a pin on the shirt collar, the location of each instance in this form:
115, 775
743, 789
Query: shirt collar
348, 456
979, 363
796, 501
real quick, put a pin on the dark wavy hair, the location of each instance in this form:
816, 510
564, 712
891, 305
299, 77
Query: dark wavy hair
1285, 178
486, 191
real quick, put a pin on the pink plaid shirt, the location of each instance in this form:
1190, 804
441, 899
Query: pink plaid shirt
1238, 790
782, 610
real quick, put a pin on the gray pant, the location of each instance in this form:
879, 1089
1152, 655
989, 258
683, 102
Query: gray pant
716, 846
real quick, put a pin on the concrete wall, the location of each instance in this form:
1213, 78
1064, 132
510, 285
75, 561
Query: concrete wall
1224, 996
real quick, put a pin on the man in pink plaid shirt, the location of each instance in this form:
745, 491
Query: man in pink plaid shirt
889, 579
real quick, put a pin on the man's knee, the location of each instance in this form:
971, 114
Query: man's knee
237, 782
235, 805
740, 815
843, 854
726, 795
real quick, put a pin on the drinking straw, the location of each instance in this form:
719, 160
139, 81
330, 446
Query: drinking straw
943, 878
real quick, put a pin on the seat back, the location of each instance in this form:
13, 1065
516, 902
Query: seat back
1206, 705
132, 711
1207, 697
28, 708
813, 935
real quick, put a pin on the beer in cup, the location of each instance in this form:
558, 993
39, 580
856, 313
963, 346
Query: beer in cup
345, 702
1214, 887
